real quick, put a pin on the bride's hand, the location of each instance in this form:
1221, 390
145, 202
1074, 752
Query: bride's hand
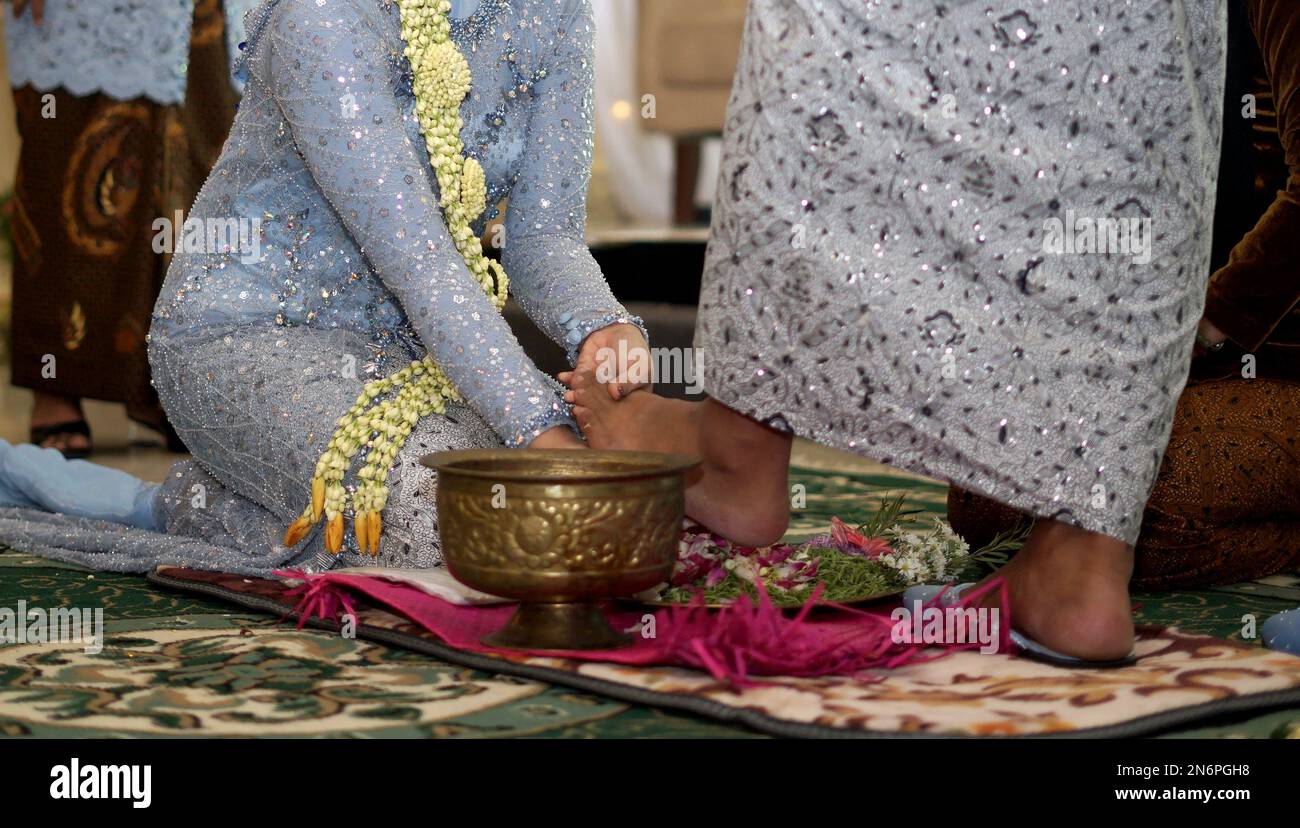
619, 356
559, 437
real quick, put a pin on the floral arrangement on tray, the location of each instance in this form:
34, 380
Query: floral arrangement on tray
882, 557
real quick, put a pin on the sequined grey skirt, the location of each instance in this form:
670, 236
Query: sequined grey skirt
928, 244
256, 404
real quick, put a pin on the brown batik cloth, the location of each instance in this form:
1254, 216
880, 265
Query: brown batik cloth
91, 183
1226, 504
1225, 507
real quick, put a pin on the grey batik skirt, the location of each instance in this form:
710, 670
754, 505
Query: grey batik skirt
969, 241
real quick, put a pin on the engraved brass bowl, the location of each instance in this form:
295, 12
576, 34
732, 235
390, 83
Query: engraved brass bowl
559, 531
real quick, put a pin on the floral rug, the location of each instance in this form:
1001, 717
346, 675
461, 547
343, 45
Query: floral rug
1178, 678
176, 664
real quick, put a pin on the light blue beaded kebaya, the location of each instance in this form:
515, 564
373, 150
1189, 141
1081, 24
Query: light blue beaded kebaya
317, 260
367, 254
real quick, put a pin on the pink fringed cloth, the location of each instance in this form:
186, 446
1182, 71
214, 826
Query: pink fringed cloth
735, 645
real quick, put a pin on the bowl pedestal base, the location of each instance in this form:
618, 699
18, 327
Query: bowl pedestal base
557, 626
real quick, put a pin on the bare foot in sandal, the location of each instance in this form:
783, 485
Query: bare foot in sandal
58, 423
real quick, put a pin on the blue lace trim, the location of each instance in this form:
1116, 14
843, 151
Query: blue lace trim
127, 49
540, 422
577, 330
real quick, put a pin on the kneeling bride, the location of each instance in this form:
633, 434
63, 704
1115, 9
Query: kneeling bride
372, 143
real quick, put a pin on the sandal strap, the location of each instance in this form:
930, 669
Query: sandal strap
42, 433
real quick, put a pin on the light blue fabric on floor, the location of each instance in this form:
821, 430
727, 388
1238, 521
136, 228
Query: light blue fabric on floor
1282, 632
37, 478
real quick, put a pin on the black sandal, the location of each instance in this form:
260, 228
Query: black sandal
42, 433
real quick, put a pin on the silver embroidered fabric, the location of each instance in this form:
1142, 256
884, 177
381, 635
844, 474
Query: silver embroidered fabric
262, 438
878, 278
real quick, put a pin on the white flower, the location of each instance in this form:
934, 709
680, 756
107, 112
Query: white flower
911, 569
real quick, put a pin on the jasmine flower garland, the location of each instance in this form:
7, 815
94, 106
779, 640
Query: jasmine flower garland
387, 410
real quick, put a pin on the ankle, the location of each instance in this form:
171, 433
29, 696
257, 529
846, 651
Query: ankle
55, 408
735, 444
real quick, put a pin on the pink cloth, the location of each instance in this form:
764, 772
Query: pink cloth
733, 644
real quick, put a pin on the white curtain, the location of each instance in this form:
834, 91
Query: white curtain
640, 162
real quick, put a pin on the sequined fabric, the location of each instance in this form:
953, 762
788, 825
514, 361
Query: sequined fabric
255, 357
878, 279
326, 155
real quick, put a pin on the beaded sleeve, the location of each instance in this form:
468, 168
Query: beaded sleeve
553, 275
380, 183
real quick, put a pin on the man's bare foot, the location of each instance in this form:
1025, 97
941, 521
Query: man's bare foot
55, 409
1068, 590
640, 421
741, 492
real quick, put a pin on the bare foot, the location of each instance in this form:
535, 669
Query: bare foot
741, 491
640, 421
55, 409
1068, 590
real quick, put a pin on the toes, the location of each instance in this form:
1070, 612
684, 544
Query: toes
583, 387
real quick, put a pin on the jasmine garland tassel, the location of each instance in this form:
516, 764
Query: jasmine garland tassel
387, 409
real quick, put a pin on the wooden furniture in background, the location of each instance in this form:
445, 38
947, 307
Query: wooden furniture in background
686, 57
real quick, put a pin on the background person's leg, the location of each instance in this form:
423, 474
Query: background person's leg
1225, 507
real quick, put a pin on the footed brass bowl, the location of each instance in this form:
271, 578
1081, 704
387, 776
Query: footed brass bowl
558, 531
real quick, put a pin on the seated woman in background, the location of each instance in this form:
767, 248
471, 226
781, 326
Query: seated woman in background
372, 139
123, 108
1226, 504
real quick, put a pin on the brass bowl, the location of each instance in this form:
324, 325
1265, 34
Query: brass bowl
559, 531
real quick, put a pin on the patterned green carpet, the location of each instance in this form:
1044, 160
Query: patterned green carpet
173, 665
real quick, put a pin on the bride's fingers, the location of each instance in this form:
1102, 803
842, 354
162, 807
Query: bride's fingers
586, 361
565, 377
570, 397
